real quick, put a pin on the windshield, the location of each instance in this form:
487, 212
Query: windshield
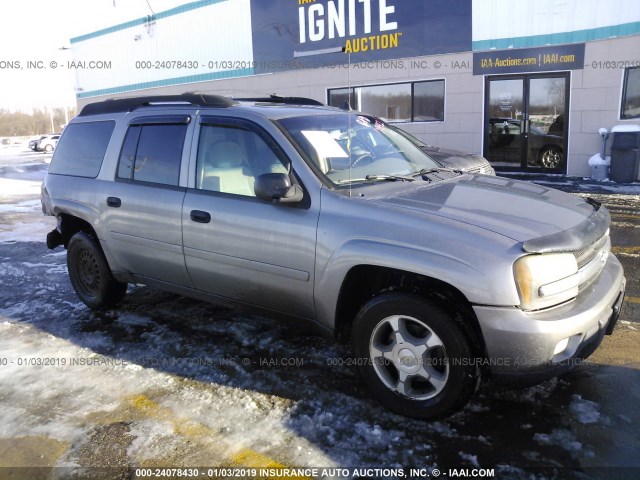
350, 147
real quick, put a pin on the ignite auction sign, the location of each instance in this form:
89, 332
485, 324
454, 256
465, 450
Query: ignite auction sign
290, 34
317, 22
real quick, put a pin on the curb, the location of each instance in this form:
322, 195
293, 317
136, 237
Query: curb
575, 184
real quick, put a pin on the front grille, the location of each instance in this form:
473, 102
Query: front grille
484, 169
586, 255
591, 260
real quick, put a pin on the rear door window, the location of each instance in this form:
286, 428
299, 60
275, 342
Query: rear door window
152, 153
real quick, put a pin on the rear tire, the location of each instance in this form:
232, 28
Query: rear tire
413, 356
90, 273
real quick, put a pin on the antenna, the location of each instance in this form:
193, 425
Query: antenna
325, 51
149, 5
151, 20
349, 113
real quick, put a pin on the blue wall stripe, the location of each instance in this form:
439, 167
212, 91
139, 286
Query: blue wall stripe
168, 82
141, 21
579, 36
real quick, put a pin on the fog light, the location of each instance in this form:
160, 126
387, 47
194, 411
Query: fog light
561, 346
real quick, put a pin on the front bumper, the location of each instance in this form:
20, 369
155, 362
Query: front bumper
521, 346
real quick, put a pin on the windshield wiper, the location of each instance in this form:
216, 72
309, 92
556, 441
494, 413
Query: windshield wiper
390, 178
427, 171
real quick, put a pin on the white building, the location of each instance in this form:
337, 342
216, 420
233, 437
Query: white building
528, 84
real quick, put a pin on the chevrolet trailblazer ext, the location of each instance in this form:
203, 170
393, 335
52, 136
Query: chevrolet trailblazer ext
434, 277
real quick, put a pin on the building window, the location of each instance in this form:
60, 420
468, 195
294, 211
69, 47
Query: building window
339, 97
428, 101
395, 103
631, 94
391, 102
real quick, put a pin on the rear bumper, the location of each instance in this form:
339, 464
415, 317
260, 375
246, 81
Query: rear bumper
523, 347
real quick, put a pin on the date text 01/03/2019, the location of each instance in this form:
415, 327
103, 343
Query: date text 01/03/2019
614, 64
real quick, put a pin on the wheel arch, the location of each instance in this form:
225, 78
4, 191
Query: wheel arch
364, 282
552, 146
69, 225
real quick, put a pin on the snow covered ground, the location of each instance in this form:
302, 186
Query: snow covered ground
169, 381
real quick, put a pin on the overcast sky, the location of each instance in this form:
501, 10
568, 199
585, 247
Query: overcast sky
35, 30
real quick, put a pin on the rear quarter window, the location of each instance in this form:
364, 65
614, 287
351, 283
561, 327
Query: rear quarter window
81, 149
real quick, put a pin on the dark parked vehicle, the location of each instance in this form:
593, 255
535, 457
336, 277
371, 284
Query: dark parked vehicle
454, 159
505, 140
465, 162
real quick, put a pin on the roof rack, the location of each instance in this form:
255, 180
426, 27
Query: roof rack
274, 98
129, 104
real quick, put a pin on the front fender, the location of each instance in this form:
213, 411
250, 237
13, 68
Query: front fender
484, 282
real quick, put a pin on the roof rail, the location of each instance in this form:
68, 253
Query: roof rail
274, 98
129, 104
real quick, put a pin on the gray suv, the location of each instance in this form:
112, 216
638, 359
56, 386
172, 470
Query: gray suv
437, 279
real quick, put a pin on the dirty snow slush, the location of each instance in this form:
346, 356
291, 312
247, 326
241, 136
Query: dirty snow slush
166, 380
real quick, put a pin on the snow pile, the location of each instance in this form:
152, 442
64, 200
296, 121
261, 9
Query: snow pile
33, 394
599, 167
625, 128
585, 411
27, 206
22, 221
597, 160
19, 187
28, 231
472, 459
562, 438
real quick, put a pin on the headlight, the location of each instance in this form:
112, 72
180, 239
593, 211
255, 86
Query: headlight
546, 280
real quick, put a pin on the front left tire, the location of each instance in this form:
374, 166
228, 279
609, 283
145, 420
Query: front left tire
414, 356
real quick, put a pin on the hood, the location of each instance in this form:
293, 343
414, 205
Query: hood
467, 162
519, 210
451, 158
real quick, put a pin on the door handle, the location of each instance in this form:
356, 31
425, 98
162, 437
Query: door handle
200, 216
114, 202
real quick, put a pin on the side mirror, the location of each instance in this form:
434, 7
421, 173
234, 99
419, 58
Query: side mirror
277, 188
